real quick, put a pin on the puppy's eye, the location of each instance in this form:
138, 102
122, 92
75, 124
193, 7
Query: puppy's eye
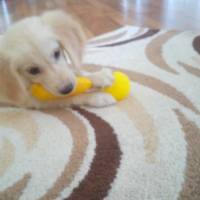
57, 54
34, 70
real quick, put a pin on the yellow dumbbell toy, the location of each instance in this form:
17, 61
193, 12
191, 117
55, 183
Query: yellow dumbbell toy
120, 88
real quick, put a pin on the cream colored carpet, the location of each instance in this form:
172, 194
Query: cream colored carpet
144, 148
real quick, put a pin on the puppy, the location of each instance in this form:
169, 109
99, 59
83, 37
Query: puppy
48, 50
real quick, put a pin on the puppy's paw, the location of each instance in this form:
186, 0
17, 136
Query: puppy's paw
103, 78
101, 100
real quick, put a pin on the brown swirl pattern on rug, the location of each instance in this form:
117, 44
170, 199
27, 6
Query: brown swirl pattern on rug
145, 147
191, 188
105, 163
80, 144
154, 51
190, 69
147, 34
144, 123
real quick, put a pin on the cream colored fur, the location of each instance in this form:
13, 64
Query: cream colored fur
32, 42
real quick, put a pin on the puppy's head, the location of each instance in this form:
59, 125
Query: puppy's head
46, 50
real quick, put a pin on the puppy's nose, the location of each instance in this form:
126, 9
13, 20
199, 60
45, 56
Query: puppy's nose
67, 89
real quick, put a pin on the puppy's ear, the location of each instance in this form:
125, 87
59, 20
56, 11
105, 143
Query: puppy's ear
68, 32
11, 85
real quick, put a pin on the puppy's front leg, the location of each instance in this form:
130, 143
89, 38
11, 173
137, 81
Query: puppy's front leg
100, 78
96, 99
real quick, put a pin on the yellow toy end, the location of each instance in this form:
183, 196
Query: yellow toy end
121, 87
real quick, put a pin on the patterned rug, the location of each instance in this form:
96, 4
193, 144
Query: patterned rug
145, 147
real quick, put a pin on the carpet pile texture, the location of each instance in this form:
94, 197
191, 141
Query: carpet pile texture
146, 147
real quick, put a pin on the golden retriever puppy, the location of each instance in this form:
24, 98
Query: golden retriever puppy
46, 49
